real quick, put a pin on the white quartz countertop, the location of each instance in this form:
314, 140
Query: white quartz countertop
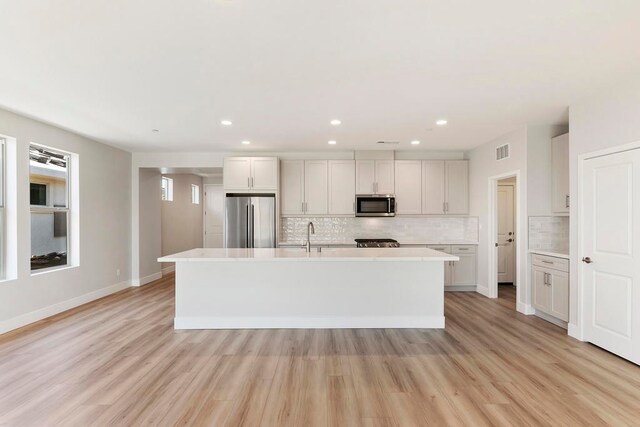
297, 254
549, 253
353, 243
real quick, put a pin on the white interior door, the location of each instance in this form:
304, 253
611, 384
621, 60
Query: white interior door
213, 216
611, 252
506, 234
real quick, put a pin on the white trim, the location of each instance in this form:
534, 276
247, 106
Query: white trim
483, 290
550, 319
574, 332
147, 279
43, 313
338, 322
169, 269
525, 308
492, 219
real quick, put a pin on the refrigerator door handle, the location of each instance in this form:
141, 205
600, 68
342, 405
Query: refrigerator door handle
248, 220
253, 223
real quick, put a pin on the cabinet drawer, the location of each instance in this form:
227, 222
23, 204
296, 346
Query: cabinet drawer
550, 262
441, 248
463, 249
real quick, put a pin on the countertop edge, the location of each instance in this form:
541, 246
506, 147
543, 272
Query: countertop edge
549, 253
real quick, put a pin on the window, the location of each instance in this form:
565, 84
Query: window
2, 215
49, 195
167, 189
195, 194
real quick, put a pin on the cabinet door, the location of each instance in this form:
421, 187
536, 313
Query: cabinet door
559, 304
432, 187
457, 186
540, 290
292, 187
264, 173
315, 187
236, 174
464, 271
384, 177
365, 176
408, 184
560, 173
342, 187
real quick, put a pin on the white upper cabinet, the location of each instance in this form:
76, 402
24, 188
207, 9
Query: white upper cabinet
408, 184
375, 177
445, 187
560, 173
433, 188
250, 173
365, 176
315, 187
457, 187
292, 187
385, 177
342, 187
264, 173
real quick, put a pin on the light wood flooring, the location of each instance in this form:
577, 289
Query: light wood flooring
118, 361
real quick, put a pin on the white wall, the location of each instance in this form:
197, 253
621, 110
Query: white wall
482, 166
104, 206
150, 209
182, 220
607, 120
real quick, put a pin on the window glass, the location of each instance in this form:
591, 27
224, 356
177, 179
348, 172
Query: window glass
167, 189
195, 194
49, 196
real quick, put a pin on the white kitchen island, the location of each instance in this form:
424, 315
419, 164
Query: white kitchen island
290, 288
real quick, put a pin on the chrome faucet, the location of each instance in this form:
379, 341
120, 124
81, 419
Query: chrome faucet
310, 230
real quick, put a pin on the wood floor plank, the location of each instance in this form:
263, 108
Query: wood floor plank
118, 361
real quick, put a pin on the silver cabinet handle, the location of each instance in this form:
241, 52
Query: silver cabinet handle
547, 262
549, 279
252, 183
545, 278
248, 182
566, 201
444, 207
302, 206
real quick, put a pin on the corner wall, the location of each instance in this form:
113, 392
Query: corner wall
104, 207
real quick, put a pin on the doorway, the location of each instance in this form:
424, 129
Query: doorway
505, 238
213, 216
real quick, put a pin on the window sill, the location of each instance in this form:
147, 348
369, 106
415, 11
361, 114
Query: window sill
53, 269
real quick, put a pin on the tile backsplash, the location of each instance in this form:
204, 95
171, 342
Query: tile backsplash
549, 233
419, 230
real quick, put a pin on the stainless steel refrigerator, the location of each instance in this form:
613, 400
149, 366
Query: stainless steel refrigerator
250, 220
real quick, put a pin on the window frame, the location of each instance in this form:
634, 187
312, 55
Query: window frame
195, 194
54, 209
168, 197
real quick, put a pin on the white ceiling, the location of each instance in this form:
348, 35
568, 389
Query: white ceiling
281, 69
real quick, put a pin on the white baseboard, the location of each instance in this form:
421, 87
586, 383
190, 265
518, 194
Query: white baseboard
168, 270
482, 290
574, 332
43, 313
427, 322
551, 319
147, 279
525, 309
460, 288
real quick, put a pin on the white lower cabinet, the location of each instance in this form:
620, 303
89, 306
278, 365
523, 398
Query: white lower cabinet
550, 290
459, 275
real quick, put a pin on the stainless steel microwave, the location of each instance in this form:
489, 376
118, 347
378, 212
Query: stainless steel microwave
375, 205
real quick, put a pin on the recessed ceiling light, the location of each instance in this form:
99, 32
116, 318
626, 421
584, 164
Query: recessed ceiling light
335, 122
416, 142
332, 142
246, 142
441, 122
226, 122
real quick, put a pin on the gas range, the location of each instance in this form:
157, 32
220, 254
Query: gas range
377, 243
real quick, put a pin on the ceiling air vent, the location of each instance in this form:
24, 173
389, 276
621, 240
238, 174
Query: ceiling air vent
502, 152
389, 142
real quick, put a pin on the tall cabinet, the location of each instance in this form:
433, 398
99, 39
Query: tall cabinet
560, 174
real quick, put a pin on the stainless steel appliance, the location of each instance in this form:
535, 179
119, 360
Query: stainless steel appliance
250, 220
377, 243
375, 205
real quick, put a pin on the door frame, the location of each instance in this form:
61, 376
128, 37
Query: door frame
522, 287
204, 213
576, 326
